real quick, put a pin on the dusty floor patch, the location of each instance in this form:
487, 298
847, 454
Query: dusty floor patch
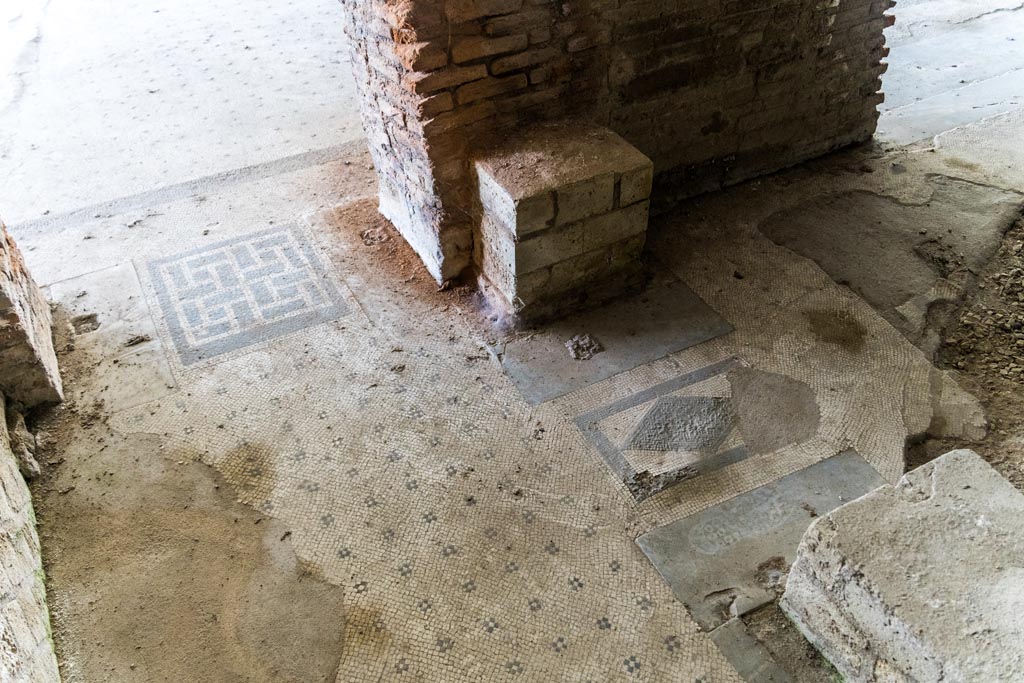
773, 411
911, 260
785, 644
160, 575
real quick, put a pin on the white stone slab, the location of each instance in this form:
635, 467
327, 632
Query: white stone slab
921, 581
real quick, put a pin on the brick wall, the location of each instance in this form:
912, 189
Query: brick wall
26, 646
28, 364
713, 91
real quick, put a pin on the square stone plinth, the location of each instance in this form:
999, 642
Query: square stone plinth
564, 209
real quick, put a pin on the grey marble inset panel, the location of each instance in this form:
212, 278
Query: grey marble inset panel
633, 331
726, 560
243, 291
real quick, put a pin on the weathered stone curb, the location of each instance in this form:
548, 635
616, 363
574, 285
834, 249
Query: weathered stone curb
918, 582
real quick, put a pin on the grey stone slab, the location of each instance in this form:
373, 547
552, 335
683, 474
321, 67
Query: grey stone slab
639, 329
750, 658
921, 581
684, 423
729, 559
113, 299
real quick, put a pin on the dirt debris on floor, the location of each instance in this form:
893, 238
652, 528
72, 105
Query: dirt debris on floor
912, 260
786, 645
583, 347
143, 546
155, 547
985, 346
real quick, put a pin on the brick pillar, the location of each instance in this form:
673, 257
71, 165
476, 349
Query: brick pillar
712, 92
399, 54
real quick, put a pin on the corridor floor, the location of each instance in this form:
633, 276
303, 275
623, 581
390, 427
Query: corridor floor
286, 457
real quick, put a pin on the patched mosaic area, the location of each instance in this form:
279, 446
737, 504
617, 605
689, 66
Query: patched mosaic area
243, 291
673, 431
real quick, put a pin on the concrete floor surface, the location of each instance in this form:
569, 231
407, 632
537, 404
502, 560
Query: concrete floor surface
158, 94
952, 63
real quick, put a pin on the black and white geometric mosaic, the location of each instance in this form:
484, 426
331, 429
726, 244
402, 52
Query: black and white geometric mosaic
243, 291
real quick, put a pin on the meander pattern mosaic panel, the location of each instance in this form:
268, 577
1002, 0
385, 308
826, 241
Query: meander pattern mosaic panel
243, 291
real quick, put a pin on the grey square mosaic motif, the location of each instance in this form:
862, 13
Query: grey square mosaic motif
696, 423
243, 291
697, 427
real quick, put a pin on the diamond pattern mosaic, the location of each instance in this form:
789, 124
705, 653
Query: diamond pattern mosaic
243, 291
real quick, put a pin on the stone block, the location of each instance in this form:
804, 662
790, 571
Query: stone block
594, 266
600, 231
519, 216
635, 184
586, 198
921, 581
28, 364
557, 157
547, 248
549, 222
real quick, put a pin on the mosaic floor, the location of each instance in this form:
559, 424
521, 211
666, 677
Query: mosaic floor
479, 536
240, 292
478, 499
454, 513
